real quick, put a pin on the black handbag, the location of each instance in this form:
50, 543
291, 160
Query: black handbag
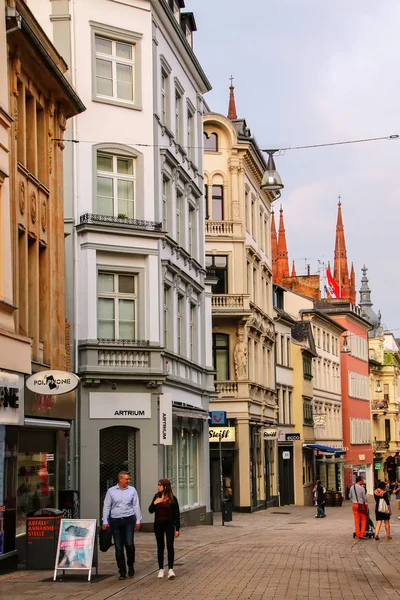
105, 539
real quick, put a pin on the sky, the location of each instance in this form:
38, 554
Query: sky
315, 72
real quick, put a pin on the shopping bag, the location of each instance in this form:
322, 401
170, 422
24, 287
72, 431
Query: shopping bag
383, 506
105, 539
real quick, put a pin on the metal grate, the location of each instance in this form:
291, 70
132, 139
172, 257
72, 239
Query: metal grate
117, 453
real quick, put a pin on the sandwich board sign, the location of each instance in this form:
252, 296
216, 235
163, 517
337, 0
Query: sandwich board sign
75, 547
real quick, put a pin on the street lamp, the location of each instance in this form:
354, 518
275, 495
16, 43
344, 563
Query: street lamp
271, 181
378, 387
345, 348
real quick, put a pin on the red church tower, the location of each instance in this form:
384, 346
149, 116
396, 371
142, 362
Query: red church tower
346, 282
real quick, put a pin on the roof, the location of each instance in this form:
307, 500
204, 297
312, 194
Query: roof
302, 333
323, 316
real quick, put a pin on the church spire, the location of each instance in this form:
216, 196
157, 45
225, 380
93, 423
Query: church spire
294, 274
365, 292
340, 269
274, 245
232, 106
282, 263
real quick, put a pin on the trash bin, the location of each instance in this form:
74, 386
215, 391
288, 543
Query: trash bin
42, 527
227, 511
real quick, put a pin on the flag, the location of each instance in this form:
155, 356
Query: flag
333, 286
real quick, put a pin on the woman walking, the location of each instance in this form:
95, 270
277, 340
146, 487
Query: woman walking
166, 525
382, 509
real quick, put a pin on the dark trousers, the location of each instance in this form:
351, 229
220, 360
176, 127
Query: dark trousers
161, 529
123, 531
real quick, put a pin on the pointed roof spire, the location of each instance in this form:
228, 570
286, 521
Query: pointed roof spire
340, 268
274, 244
282, 263
294, 274
232, 106
365, 292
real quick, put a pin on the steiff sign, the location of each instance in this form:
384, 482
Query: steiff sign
225, 434
52, 383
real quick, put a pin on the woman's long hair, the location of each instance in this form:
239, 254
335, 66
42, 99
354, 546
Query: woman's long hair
167, 489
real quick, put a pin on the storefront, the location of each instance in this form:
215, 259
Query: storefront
329, 467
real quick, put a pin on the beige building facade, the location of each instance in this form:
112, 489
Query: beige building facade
238, 259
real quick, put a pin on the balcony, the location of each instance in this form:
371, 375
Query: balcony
89, 220
379, 405
122, 357
230, 304
380, 446
219, 227
227, 388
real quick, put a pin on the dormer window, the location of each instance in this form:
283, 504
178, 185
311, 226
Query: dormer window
175, 6
188, 25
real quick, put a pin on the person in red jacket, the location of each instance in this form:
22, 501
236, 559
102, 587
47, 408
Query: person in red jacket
166, 525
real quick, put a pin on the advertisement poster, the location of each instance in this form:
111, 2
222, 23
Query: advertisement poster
75, 545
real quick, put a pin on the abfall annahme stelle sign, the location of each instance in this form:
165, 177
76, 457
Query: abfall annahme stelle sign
52, 382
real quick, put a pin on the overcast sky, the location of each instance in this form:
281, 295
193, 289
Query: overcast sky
313, 72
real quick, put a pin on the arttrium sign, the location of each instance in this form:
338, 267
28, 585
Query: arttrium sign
11, 399
52, 383
103, 405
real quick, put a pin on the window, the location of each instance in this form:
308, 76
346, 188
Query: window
221, 356
253, 218
167, 321
116, 185
307, 370
180, 324
116, 306
217, 267
115, 64
217, 203
190, 134
192, 214
166, 188
246, 210
210, 142
360, 431
164, 97
178, 116
193, 331
308, 413
179, 218
386, 391
182, 466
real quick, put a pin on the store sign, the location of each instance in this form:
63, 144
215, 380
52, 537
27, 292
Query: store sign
119, 406
286, 455
11, 399
361, 457
377, 466
292, 437
166, 419
225, 434
269, 434
217, 417
75, 545
52, 383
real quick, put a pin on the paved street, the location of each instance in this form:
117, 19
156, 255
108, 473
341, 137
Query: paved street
276, 554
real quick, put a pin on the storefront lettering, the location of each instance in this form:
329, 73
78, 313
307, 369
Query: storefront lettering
164, 426
130, 413
9, 397
224, 433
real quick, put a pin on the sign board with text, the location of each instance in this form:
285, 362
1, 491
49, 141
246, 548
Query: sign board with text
75, 545
225, 434
11, 399
270, 433
52, 382
118, 405
217, 417
292, 437
165, 419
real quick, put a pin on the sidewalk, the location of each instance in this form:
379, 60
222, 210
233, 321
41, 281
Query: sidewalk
282, 553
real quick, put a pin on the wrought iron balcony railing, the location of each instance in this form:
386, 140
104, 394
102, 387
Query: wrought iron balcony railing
107, 220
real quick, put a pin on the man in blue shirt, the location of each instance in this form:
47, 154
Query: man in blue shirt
121, 512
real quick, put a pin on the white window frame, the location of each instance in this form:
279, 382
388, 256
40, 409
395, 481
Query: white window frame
166, 196
116, 296
124, 36
180, 324
180, 209
115, 177
178, 116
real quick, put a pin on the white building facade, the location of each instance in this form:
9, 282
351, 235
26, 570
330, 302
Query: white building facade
135, 251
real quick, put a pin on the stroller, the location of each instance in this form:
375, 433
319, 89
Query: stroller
370, 529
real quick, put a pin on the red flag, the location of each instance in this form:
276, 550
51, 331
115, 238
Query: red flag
333, 286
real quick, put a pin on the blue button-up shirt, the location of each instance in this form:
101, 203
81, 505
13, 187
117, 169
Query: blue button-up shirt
121, 503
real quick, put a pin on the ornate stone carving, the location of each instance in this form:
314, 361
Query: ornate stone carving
43, 214
33, 207
22, 197
235, 210
240, 358
15, 115
177, 281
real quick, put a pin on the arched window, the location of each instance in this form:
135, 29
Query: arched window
221, 356
210, 142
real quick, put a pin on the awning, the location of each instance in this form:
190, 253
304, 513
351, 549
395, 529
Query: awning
325, 449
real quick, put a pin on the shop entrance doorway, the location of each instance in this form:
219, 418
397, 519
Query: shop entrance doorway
286, 486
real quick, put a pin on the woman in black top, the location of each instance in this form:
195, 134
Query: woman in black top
166, 523
381, 494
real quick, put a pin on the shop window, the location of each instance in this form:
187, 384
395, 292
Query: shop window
221, 356
193, 470
183, 471
182, 466
36, 474
217, 268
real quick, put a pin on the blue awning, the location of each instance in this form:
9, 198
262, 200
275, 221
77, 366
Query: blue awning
326, 449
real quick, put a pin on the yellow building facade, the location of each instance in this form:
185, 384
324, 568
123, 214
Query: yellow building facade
238, 260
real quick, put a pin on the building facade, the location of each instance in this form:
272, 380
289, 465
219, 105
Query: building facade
238, 258
36, 101
136, 270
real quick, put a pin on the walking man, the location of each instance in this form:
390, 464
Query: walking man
319, 495
358, 496
121, 512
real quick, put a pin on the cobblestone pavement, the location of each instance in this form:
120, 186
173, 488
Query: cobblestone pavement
282, 553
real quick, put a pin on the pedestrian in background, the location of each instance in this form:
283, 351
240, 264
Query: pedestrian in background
358, 497
396, 491
383, 510
166, 525
319, 496
121, 512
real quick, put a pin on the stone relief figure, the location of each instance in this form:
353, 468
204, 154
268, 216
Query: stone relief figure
240, 358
